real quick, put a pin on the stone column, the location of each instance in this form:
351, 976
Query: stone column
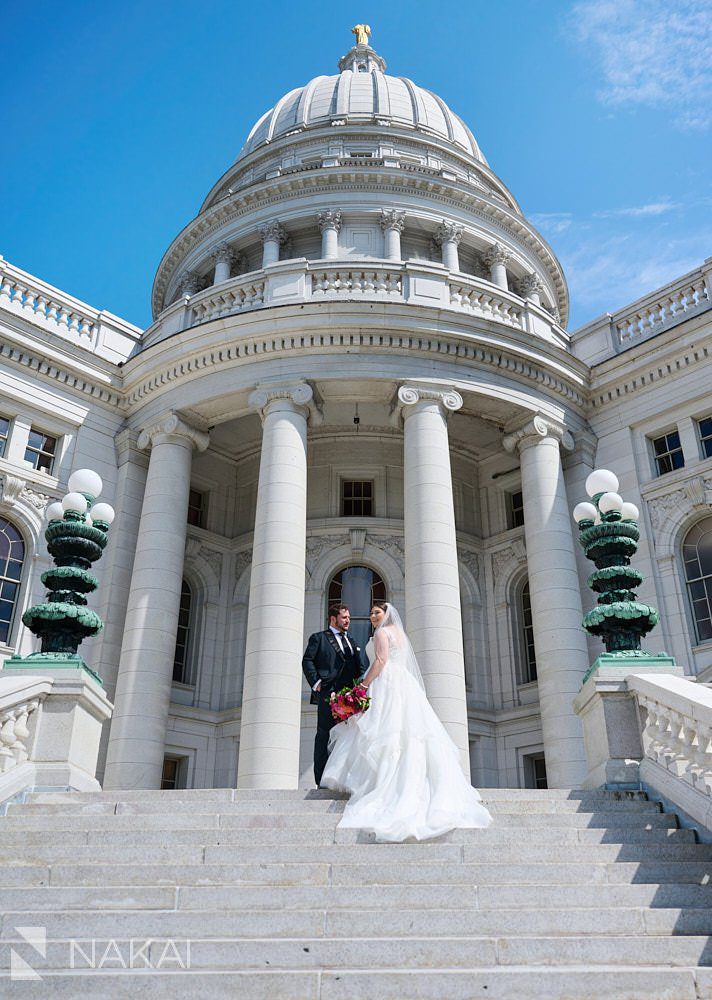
530, 287
432, 585
392, 222
273, 237
143, 688
189, 283
495, 259
448, 238
223, 255
329, 224
559, 640
272, 692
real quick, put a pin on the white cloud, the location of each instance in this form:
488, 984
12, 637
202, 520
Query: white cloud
551, 222
654, 208
653, 53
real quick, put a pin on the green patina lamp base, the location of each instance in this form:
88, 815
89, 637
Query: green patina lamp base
635, 659
51, 661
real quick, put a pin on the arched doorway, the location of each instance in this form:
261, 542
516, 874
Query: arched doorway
359, 587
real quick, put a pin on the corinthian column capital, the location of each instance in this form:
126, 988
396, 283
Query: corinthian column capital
534, 431
273, 230
497, 254
189, 283
448, 399
329, 219
448, 232
392, 218
223, 254
530, 284
168, 426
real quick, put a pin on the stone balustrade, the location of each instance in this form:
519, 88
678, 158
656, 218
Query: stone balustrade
413, 282
676, 741
22, 295
18, 703
665, 308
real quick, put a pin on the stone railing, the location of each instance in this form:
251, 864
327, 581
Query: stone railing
650, 729
413, 282
19, 701
22, 295
676, 739
663, 309
50, 727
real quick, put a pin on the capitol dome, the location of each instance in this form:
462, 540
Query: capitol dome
362, 93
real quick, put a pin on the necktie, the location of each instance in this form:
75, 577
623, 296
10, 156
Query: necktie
346, 644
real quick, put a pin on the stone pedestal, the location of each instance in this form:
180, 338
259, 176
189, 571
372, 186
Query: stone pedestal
609, 716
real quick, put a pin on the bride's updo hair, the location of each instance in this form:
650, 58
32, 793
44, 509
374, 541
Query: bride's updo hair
383, 605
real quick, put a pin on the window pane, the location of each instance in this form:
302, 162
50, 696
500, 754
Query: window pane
697, 552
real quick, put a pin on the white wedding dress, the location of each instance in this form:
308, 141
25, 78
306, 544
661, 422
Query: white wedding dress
398, 764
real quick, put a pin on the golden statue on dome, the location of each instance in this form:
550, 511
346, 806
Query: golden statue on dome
362, 31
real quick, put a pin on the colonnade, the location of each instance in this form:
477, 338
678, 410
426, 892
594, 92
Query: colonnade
272, 698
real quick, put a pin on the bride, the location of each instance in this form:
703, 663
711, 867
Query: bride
395, 760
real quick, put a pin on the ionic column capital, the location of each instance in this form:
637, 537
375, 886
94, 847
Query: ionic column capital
329, 219
448, 399
170, 426
496, 254
534, 431
273, 230
296, 395
448, 232
392, 218
223, 253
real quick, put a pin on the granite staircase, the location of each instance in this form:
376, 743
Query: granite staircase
218, 893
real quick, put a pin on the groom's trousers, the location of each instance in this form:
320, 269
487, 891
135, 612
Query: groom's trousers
325, 722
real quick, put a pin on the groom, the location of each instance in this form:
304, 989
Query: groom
331, 661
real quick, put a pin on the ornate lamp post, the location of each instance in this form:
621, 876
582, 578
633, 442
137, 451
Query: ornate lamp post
76, 537
609, 535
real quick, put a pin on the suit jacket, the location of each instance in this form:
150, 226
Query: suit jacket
323, 661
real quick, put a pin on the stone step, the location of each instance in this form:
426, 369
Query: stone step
354, 874
249, 852
556, 838
223, 954
499, 983
357, 923
306, 820
103, 807
319, 871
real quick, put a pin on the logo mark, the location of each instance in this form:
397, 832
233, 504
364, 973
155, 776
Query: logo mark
20, 968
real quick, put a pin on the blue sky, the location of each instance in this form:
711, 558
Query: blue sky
117, 119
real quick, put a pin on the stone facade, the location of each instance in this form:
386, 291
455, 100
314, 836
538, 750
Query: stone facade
393, 307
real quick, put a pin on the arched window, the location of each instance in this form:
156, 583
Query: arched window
697, 557
12, 556
527, 657
359, 587
182, 665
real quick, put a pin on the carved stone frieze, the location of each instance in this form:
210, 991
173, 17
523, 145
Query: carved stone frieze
503, 559
392, 544
12, 487
242, 561
318, 544
695, 493
471, 560
35, 499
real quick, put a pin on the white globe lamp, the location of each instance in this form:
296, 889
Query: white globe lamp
55, 511
601, 481
103, 512
610, 503
629, 512
76, 503
85, 481
585, 512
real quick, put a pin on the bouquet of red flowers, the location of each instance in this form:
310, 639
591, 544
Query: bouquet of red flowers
349, 701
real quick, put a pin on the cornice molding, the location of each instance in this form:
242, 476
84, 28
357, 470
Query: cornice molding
81, 383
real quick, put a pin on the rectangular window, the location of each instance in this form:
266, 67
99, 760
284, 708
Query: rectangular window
668, 453
515, 510
181, 657
4, 434
528, 660
40, 450
356, 498
196, 508
173, 776
705, 431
